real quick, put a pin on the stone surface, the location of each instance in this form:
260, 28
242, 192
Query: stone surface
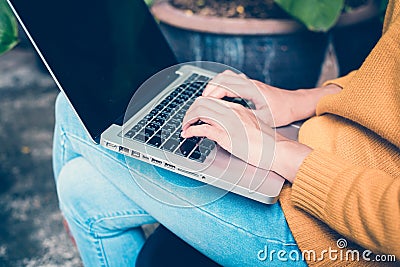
31, 230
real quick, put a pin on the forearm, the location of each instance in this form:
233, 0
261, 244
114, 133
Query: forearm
303, 102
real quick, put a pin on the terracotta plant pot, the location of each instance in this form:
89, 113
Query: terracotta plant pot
279, 52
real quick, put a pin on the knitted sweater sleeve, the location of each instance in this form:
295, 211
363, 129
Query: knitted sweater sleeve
351, 200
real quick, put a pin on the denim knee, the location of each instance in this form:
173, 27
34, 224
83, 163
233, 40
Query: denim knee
89, 200
71, 191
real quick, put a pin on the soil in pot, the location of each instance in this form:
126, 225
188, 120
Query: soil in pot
260, 9
265, 9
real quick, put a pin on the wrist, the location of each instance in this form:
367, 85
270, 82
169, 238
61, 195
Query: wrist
304, 101
289, 155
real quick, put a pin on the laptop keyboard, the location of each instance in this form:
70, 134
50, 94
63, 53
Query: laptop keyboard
162, 126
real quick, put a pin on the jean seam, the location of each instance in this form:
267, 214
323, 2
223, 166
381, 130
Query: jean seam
100, 252
91, 222
63, 148
277, 241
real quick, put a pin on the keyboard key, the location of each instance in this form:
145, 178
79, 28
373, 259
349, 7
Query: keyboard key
181, 88
148, 131
164, 102
159, 106
197, 156
194, 139
175, 122
154, 112
164, 134
207, 144
178, 101
172, 106
192, 77
142, 123
188, 93
174, 94
167, 110
179, 116
159, 121
170, 145
177, 136
169, 127
203, 78
142, 136
155, 141
190, 101
186, 147
184, 97
153, 125
129, 134
196, 85
204, 151
163, 116
137, 128
191, 91
148, 117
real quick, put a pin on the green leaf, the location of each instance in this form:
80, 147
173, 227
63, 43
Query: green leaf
317, 15
149, 2
8, 28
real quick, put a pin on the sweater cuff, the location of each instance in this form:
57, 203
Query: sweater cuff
314, 181
342, 81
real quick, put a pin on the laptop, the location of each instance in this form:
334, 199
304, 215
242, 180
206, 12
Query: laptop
101, 55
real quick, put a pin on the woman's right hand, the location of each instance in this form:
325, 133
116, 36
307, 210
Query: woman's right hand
274, 106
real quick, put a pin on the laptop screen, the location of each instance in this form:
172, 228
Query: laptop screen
100, 51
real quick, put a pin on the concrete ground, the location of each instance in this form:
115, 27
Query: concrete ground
31, 230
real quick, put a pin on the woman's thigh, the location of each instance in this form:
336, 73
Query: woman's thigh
228, 228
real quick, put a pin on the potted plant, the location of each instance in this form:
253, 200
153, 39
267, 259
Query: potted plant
8, 28
281, 42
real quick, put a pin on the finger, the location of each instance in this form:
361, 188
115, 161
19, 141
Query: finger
213, 87
224, 85
202, 109
206, 117
212, 132
221, 90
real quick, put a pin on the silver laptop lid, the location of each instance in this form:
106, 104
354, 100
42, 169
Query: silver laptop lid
98, 51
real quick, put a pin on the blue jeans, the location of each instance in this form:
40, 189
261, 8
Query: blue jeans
105, 204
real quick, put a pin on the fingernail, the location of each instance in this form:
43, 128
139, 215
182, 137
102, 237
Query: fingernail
183, 133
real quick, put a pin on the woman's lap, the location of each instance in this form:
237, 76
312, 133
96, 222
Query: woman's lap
106, 204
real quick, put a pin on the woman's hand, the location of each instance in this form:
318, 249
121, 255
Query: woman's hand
275, 107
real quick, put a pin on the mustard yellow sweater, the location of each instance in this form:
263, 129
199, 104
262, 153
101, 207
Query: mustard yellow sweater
349, 186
